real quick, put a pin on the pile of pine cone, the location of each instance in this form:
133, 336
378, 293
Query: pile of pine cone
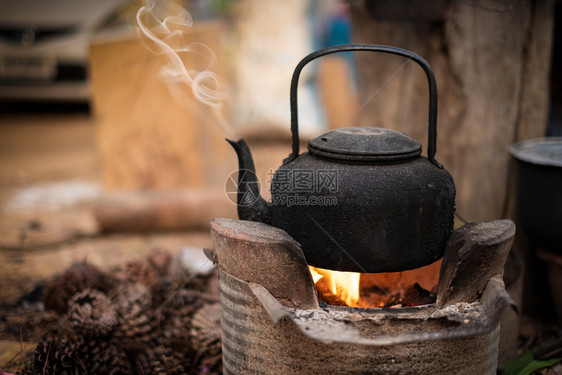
143, 318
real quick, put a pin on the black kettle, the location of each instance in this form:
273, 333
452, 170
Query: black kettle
361, 199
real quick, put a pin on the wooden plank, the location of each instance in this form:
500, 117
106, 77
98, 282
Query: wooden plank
170, 210
152, 134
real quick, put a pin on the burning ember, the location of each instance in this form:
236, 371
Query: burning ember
395, 289
342, 285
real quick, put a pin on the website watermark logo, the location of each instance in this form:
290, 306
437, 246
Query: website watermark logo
303, 181
290, 200
249, 184
296, 187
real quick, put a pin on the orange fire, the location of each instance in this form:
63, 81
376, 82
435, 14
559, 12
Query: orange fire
344, 285
389, 289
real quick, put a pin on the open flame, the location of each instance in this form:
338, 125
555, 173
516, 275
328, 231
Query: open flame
388, 289
344, 285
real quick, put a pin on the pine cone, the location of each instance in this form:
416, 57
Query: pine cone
57, 355
63, 355
183, 301
162, 291
131, 293
135, 327
141, 271
102, 357
91, 313
161, 361
205, 334
78, 277
174, 318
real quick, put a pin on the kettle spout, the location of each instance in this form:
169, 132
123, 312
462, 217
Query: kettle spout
251, 205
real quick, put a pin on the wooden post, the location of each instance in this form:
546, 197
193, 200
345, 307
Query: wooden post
491, 61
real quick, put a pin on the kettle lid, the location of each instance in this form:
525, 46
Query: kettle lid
365, 144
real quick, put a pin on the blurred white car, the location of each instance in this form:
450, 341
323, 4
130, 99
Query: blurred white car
44, 46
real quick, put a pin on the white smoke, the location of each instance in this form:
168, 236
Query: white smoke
163, 28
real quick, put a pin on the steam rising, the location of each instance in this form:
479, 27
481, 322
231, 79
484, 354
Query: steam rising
163, 30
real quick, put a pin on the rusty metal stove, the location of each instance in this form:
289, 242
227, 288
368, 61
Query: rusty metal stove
272, 322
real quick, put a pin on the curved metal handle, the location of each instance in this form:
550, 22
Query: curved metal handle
432, 121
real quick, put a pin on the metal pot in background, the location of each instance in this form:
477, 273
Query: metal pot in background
539, 200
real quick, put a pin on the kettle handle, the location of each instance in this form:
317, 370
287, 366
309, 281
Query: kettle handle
432, 121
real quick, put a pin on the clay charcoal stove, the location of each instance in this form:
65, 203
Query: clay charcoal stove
274, 323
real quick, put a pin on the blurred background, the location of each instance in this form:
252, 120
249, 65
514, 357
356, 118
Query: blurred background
113, 120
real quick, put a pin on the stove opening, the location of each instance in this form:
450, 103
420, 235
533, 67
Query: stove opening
392, 289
